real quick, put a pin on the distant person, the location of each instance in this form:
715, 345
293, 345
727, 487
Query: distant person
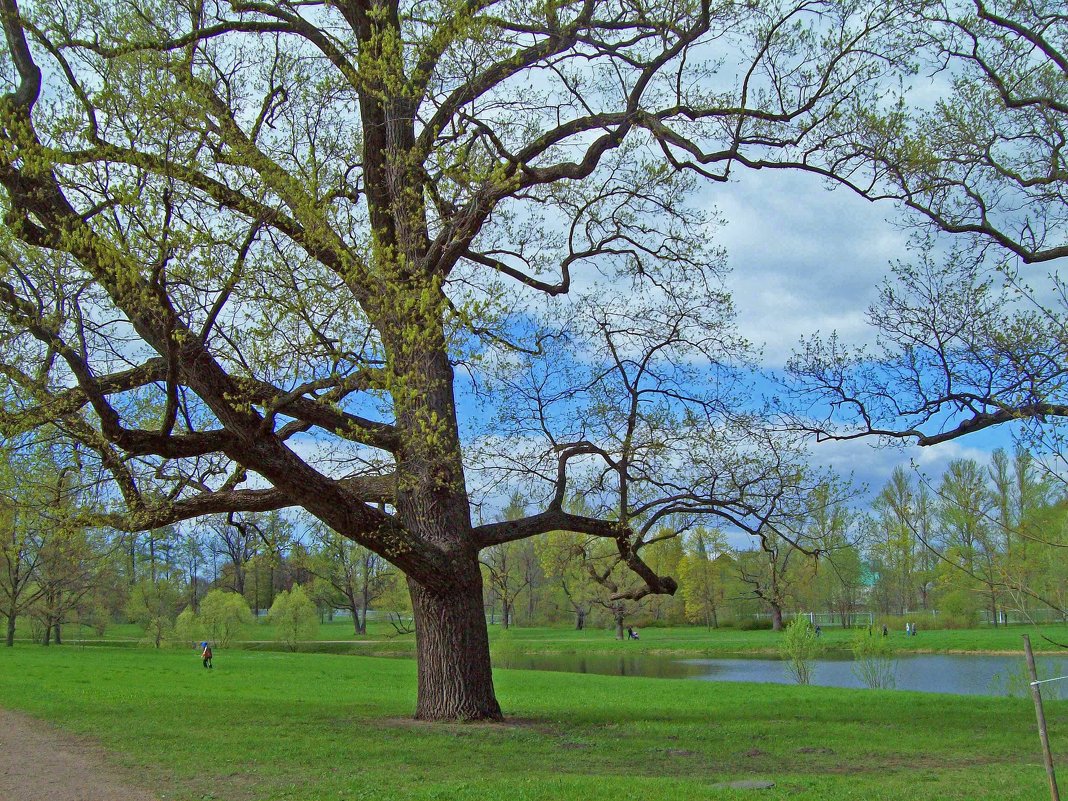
913, 629
819, 631
206, 654
886, 631
908, 629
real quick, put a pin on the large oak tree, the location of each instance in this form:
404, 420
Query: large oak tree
247, 243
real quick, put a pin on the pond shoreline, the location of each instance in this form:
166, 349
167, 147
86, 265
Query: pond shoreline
311, 646
956, 674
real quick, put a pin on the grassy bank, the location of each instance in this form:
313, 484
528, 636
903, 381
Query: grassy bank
317, 726
730, 642
382, 640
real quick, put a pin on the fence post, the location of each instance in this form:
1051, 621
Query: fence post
1036, 696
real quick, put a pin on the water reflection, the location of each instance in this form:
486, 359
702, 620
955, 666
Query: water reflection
985, 674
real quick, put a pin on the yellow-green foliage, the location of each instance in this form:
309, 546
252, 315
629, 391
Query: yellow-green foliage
294, 617
187, 627
222, 614
152, 605
799, 647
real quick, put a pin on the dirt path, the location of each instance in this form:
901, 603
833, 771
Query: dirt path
41, 763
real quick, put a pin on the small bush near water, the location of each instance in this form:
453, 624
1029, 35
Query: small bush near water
800, 646
874, 662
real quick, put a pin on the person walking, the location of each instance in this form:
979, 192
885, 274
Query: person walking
206, 654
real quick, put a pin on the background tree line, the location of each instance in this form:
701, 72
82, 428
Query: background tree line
988, 538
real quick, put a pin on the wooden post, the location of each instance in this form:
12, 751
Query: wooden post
1036, 696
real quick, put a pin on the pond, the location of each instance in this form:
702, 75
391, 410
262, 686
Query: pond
961, 674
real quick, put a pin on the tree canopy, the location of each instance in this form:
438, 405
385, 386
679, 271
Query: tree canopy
248, 244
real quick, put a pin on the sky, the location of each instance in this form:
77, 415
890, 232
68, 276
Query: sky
805, 259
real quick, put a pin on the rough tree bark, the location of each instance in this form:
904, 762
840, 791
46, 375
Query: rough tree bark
776, 617
452, 646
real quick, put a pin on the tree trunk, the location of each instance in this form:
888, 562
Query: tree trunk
193, 586
354, 610
452, 640
619, 623
452, 647
531, 600
580, 619
776, 618
10, 627
239, 577
365, 603
506, 614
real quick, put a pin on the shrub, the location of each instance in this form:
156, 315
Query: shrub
294, 617
152, 605
799, 647
755, 624
959, 610
222, 614
873, 660
97, 618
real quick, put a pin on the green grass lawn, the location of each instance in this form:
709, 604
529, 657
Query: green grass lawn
319, 726
382, 640
690, 641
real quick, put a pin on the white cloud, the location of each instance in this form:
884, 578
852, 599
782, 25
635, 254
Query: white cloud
804, 259
872, 465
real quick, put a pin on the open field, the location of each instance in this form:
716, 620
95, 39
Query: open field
723, 642
382, 640
319, 726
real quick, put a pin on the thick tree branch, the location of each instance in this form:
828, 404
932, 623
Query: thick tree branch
365, 489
